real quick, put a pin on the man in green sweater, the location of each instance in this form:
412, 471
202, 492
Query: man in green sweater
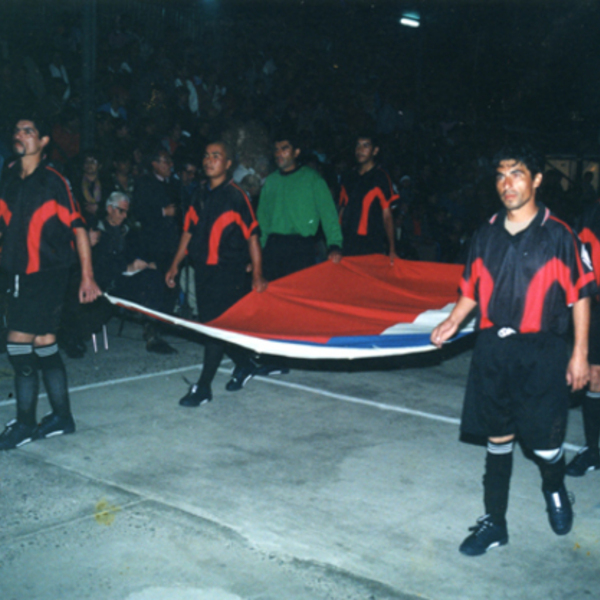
294, 201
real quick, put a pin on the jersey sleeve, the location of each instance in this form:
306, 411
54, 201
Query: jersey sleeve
387, 194
191, 220
247, 214
69, 212
5, 215
589, 234
343, 199
583, 278
263, 212
472, 271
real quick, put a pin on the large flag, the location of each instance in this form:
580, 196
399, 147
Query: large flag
359, 308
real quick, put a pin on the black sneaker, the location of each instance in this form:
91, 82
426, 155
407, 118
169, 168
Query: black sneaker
266, 370
196, 396
560, 510
240, 377
486, 535
52, 425
585, 460
15, 435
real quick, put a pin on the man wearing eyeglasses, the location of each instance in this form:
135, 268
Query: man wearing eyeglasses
125, 271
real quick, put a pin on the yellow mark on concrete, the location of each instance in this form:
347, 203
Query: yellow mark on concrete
6, 374
105, 512
577, 546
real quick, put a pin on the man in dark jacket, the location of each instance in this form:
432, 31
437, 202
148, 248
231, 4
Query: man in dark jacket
120, 270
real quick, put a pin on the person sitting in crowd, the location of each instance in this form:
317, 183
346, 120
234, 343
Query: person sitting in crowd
122, 271
89, 188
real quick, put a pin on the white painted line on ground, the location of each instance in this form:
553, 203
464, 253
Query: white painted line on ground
354, 400
99, 384
288, 384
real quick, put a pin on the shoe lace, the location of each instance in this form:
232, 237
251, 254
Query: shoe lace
483, 524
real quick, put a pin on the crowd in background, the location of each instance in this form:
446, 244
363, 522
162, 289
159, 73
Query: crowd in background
177, 94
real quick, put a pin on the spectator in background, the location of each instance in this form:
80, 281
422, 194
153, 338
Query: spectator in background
121, 268
156, 200
66, 138
89, 188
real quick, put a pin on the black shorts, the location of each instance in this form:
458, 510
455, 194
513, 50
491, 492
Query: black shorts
287, 254
219, 288
362, 245
594, 344
35, 301
517, 386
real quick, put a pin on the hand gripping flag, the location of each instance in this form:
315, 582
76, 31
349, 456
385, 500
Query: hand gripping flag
362, 307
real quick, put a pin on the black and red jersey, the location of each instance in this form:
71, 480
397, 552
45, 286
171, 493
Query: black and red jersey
527, 282
221, 221
37, 218
589, 234
362, 201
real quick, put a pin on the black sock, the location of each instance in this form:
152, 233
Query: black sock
591, 421
240, 356
24, 363
213, 355
496, 481
54, 375
552, 472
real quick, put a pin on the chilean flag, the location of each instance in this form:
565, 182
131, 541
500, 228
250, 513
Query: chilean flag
362, 307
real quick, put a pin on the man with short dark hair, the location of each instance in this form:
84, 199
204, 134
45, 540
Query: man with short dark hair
365, 201
527, 273
294, 202
221, 235
155, 202
39, 222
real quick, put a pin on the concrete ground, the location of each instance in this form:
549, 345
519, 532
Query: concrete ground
337, 481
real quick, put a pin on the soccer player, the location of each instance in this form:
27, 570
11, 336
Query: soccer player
40, 223
525, 269
588, 458
222, 236
366, 196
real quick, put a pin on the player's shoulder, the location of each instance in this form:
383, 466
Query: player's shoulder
52, 175
235, 191
308, 172
555, 224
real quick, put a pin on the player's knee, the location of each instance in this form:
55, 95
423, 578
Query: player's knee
22, 359
550, 456
502, 440
49, 356
500, 448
